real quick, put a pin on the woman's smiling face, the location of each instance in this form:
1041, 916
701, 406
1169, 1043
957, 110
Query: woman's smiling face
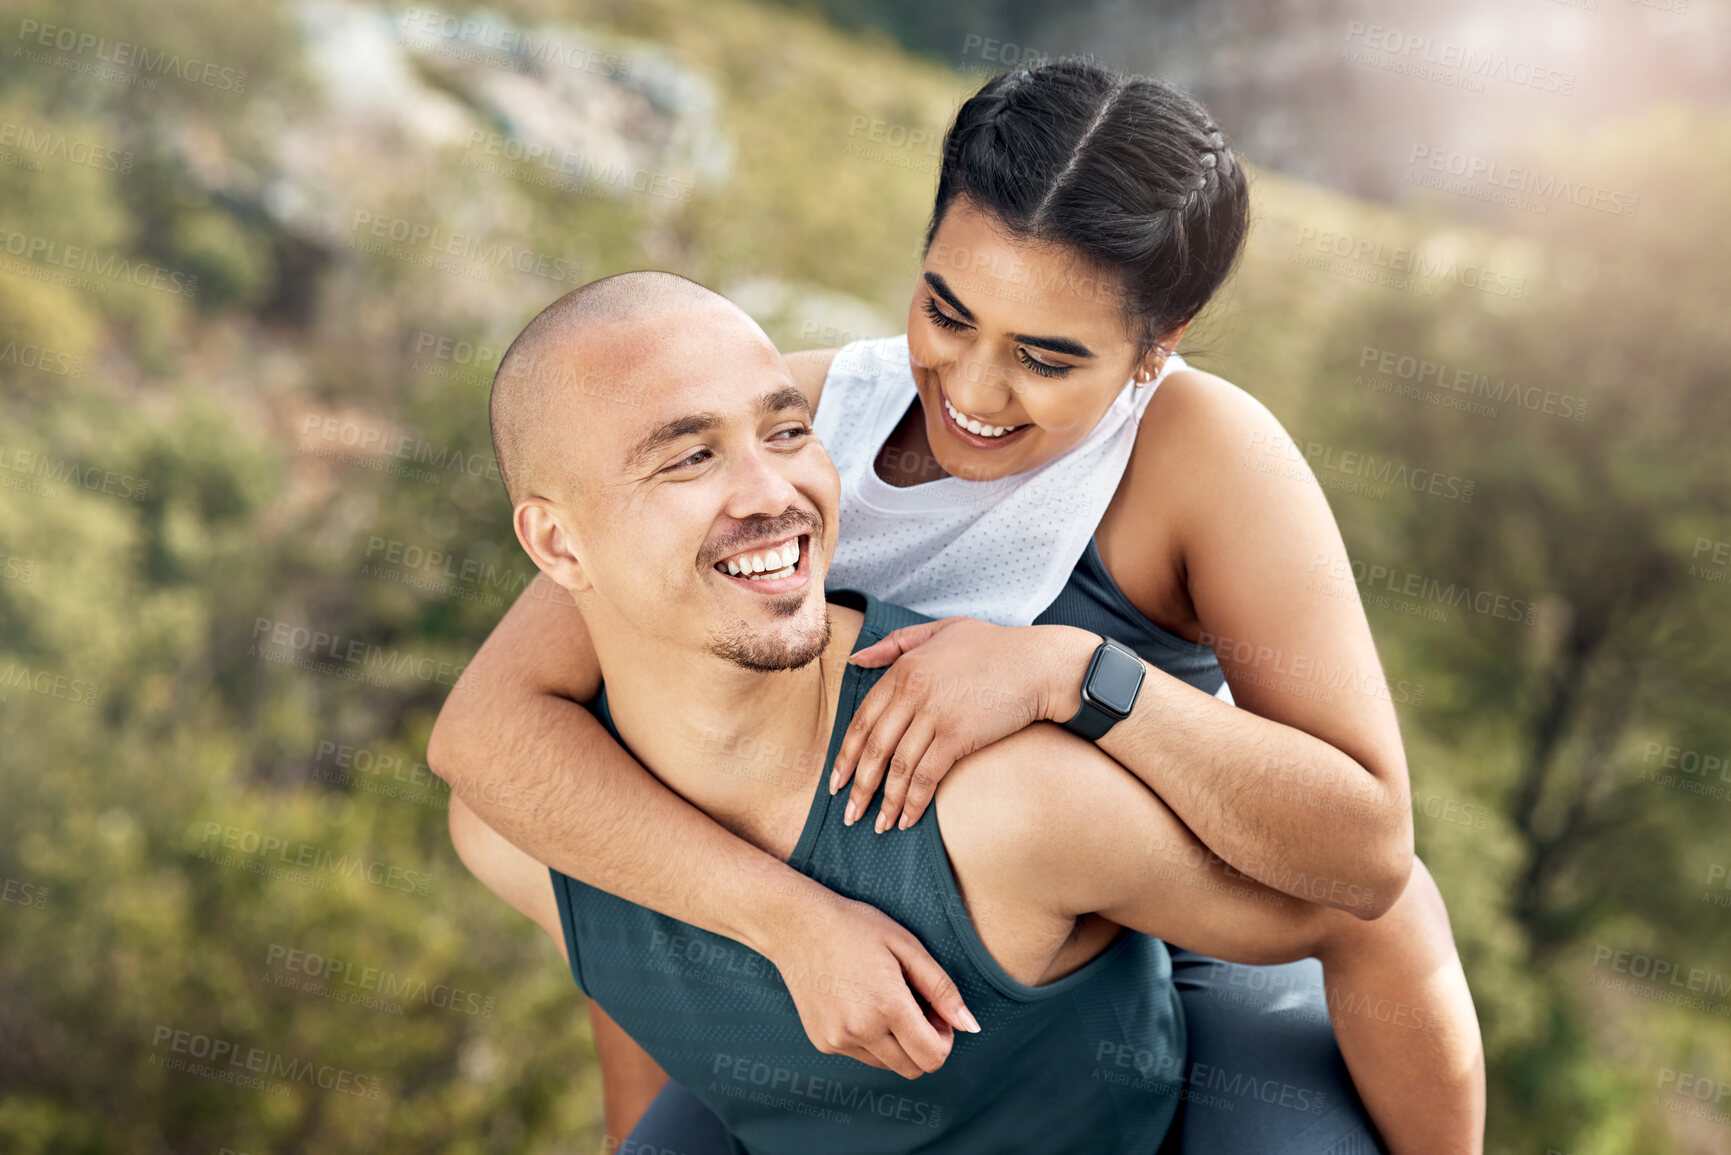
1017, 348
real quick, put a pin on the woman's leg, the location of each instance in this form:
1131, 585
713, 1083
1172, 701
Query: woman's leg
1264, 1075
677, 1123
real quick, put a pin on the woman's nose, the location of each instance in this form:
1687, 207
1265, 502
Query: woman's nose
977, 385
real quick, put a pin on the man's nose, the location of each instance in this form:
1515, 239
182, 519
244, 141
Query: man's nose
760, 485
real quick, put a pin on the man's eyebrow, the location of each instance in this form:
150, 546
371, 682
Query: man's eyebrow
1063, 345
785, 397
670, 432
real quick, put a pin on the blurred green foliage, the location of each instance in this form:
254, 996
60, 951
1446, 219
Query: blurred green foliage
180, 504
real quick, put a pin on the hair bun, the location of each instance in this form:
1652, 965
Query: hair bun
1128, 171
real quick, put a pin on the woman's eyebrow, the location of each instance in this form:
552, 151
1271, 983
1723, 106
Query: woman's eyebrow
942, 288
1061, 345
1055, 344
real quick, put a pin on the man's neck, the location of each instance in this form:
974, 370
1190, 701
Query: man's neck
745, 747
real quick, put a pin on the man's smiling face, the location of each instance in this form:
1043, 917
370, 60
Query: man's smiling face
700, 508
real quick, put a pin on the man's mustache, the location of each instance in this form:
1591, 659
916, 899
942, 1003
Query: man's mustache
752, 534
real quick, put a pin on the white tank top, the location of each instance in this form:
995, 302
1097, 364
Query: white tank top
995, 550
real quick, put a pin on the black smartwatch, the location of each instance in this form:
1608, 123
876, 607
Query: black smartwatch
1109, 690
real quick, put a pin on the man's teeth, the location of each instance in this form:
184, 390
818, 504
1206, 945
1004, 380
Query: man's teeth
977, 427
769, 563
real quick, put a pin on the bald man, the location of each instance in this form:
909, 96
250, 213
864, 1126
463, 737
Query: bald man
649, 434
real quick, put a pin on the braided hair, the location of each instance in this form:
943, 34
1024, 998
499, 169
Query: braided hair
1129, 172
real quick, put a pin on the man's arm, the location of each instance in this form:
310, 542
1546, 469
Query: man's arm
630, 1079
542, 771
1047, 819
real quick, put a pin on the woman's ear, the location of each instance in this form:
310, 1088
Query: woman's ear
1155, 359
544, 536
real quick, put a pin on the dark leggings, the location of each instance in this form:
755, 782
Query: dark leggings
1265, 1076
1264, 1073
677, 1124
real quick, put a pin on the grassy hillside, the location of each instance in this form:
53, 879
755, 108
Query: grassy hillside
229, 611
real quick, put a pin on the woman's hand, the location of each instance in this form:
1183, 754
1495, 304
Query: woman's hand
956, 684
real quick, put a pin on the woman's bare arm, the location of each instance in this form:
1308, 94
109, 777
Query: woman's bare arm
1303, 788
1303, 785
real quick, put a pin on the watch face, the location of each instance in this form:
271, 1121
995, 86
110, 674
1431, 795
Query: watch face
1114, 680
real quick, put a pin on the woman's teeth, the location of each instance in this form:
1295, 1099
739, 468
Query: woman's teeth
764, 565
977, 427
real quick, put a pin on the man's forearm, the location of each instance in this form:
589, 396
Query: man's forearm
549, 777
1278, 804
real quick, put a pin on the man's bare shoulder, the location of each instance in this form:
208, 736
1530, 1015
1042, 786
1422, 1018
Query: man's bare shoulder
1045, 825
1046, 814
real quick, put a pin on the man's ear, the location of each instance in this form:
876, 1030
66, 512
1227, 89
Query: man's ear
547, 539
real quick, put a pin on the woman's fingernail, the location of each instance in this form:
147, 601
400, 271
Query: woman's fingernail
835, 780
969, 1021
848, 816
883, 822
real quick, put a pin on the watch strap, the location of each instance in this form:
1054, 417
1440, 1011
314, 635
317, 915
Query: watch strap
1091, 722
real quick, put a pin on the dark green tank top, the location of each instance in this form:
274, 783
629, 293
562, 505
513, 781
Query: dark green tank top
1092, 601
1087, 1065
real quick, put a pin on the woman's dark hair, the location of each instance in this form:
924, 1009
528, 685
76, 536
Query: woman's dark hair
1127, 171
